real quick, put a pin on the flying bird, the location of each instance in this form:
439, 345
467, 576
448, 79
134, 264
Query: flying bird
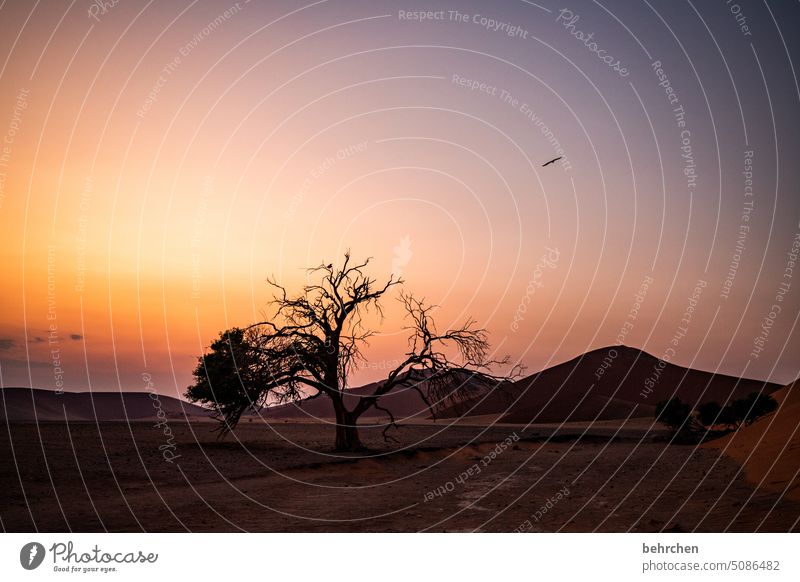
552, 161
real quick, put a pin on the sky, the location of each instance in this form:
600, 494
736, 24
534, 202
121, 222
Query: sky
160, 160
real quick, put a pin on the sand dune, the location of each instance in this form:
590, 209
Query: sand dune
608, 383
26, 404
769, 449
405, 404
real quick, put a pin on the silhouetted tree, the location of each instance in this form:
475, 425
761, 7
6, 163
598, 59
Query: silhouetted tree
708, 413
741, 411
310, 342
713, 413
754, 406
727, 416
677, 415
229, 376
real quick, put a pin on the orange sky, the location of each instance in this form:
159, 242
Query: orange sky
160, 163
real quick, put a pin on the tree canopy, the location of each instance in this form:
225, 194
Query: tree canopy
743, 411
308, 344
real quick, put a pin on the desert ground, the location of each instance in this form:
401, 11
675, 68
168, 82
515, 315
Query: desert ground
283, 476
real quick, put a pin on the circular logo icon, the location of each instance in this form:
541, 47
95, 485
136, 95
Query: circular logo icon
31, 555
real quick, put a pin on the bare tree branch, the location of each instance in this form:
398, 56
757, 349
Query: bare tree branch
314, 340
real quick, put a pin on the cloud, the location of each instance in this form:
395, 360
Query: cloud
6, 343
75, 336
23, 364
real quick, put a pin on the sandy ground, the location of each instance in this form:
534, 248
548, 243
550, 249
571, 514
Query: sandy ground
769, 449
284, 477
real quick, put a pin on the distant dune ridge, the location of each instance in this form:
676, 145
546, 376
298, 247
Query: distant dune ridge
404, 402
27, 404
609, 383
604, 384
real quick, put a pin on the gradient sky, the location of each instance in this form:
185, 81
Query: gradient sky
161, 160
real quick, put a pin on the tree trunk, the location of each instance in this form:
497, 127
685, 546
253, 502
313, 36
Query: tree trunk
347, 439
